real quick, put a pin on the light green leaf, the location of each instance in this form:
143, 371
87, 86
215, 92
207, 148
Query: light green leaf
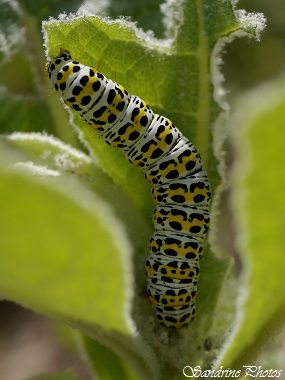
101, 357
46, 150
57, 251
48, 245
259, 206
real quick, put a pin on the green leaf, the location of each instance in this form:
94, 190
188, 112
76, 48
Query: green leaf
56, 258
66, 210
101, 357
259, 206
48, 151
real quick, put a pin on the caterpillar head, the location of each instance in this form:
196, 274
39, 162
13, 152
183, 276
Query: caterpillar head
55, 64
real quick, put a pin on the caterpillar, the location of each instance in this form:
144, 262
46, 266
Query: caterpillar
172, 166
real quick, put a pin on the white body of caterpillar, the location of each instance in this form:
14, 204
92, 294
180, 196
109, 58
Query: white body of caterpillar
172, 166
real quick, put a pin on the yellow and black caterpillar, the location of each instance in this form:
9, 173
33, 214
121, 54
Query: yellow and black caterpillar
172, 166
